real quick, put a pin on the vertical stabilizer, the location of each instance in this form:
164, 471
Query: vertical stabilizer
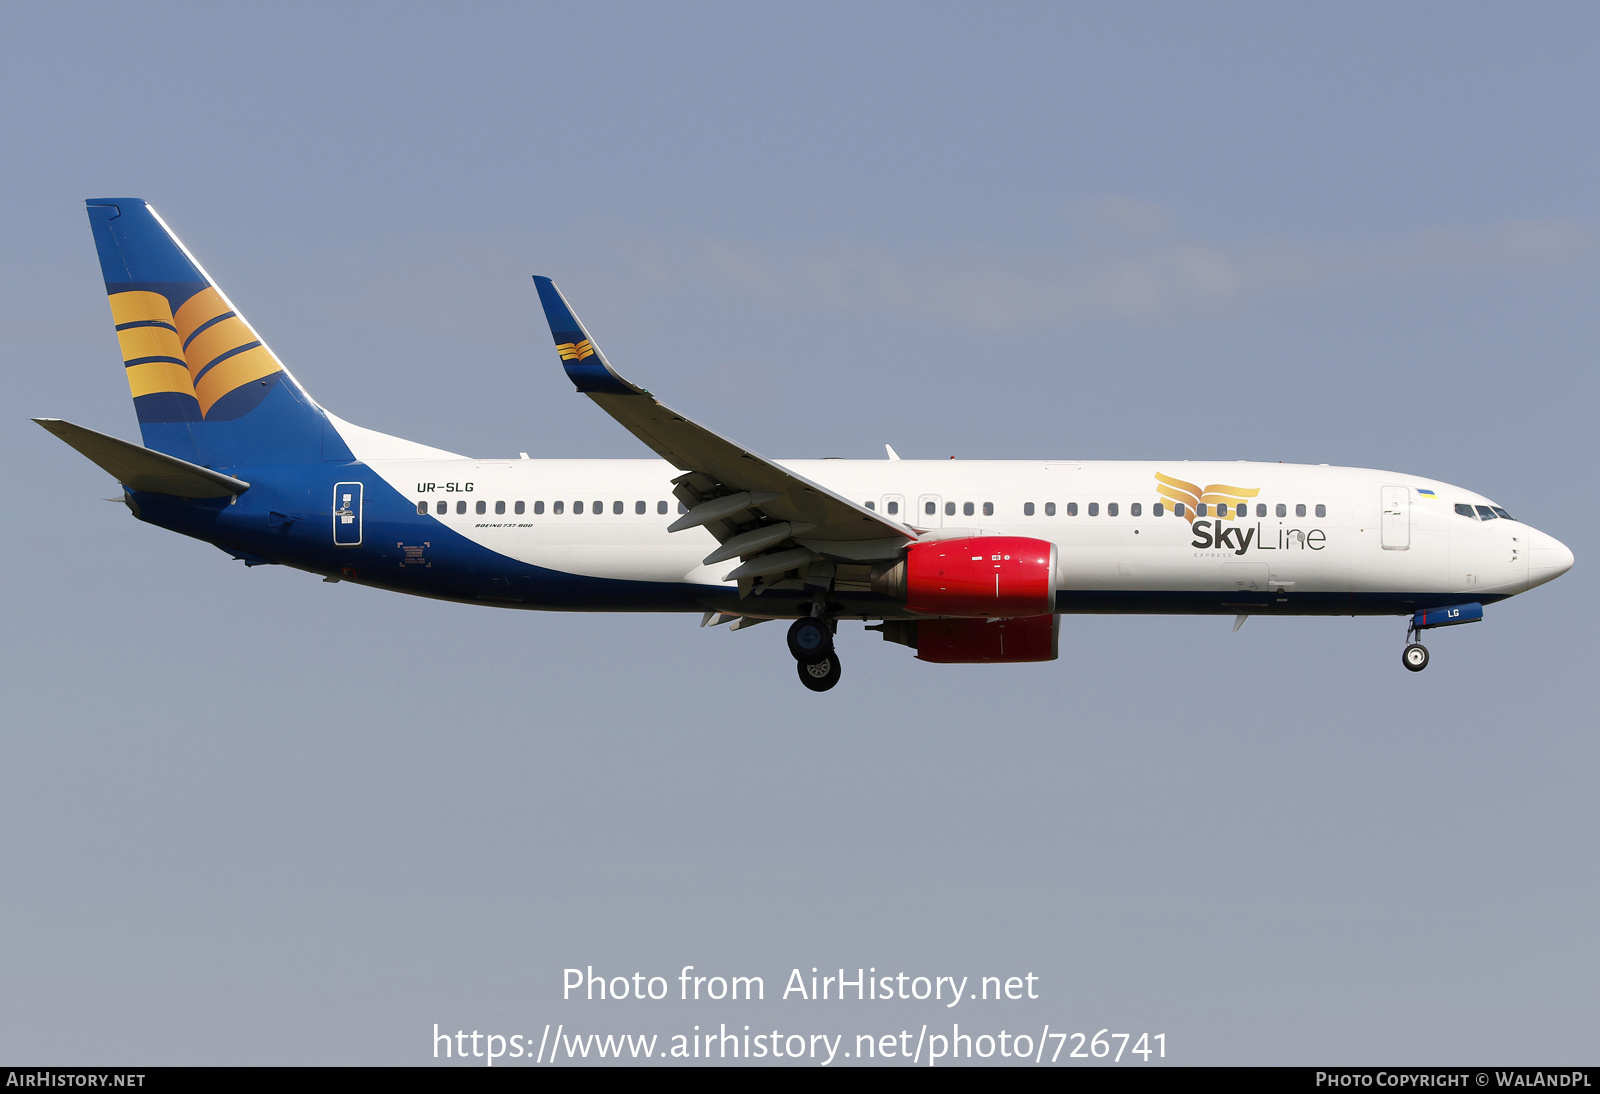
205, 386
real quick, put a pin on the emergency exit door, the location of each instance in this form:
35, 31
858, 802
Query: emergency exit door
1396, 519
347, 514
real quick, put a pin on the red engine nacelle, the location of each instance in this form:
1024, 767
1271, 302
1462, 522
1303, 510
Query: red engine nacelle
980, 641
988, 576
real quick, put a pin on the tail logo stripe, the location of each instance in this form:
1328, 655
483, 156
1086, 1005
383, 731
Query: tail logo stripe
576, 351
205, 369
205, 348
199, 310
154, 377
140, 306
138, 343
203, 327
254, 363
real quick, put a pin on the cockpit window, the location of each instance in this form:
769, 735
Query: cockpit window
1485, 513
1501, 513
1465, 510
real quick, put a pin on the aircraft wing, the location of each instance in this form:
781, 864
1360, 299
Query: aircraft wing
726, 486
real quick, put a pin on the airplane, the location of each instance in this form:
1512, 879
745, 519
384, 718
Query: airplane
961, 561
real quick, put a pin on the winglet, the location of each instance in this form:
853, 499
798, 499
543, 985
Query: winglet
586, 366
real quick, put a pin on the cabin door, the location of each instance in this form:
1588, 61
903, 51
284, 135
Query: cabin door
1396, 518
347, 514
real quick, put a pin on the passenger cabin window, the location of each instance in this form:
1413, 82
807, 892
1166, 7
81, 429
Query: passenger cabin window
682, 508
1027, 508
638, 508
1072, 508
1485, 513
1241, 510
966, 510
538, 508
871, 505
927, 507
1094, 509
1111, 509
558, 508
1261, 510
444, 507
1201, 509
894, 508
1135, 509
1282, 510
616, 508
1300, 510
661, 507
1178, 509
949, 508
422, 508
988, 508
461, 507
522, 507
599, 508
1158, 510
1050, 509
1322, 510
499, 507
483, 507
577, 507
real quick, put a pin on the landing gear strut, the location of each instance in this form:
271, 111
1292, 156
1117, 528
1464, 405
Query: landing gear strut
811, 643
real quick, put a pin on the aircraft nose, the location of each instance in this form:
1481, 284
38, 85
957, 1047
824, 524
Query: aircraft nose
1548, 559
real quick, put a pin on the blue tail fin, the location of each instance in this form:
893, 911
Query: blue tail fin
205, 386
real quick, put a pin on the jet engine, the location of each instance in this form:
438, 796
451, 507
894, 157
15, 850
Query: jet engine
980, 576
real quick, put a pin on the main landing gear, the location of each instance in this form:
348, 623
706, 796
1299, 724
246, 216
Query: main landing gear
811, 643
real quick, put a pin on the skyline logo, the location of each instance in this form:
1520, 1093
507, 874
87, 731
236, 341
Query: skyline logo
1218, 497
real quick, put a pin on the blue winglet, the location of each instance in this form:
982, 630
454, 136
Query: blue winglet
586, 366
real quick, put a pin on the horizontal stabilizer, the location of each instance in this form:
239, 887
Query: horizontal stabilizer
140, 468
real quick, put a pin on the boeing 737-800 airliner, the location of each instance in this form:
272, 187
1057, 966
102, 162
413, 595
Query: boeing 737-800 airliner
963, 561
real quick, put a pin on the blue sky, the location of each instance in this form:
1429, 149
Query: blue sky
254, 818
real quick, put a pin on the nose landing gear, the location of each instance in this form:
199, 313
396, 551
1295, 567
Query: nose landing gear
1415, 655
811, 643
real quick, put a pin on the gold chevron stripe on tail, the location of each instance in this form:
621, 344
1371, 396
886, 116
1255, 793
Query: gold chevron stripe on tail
576, 351
156, 347
207, 348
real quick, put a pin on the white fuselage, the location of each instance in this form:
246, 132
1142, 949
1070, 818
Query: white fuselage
1306, 529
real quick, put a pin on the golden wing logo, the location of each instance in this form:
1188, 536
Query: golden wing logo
1224, 498
576, 351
